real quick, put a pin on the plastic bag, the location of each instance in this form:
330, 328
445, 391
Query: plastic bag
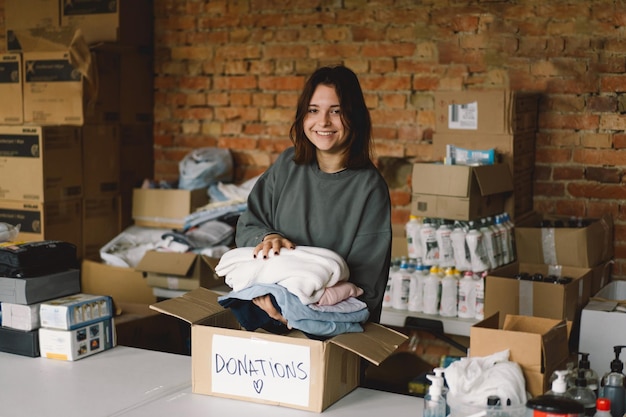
8, 232
205, 166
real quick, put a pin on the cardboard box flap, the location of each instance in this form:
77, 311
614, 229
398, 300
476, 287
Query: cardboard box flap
375, 344
493, 179
438, 179
171, 263
193, 307
553, 334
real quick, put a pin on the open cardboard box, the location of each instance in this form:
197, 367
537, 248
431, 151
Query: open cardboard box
179, 271
537, 344
459, 192
291, 371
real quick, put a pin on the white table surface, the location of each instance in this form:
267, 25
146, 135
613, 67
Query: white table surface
108, 383
128, 382
361, 402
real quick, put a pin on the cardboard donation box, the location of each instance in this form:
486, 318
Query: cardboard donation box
538, 345
166, 207
601, 326
485, 112
584, 243
179, 271
291, 371
526, 297
459, 192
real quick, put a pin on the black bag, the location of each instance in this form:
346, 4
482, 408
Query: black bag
31, 259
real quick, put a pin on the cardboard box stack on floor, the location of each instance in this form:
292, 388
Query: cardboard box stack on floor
77, 95
76, 128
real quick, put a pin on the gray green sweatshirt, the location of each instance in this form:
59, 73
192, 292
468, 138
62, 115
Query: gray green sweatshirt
348, 212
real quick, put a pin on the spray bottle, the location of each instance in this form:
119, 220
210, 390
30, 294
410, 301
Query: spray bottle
612, 385
434, 402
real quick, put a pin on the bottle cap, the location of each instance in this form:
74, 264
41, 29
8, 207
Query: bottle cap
603, 404
559, 385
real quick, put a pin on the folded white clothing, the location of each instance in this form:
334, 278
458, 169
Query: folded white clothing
305, 271
472, 379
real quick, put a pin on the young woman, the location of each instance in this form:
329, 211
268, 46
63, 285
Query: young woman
325, 190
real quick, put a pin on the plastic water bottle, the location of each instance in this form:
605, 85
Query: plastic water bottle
449, 294
414, 241
504, 240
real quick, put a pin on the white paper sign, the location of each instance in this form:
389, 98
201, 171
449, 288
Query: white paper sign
463, 116
261, 369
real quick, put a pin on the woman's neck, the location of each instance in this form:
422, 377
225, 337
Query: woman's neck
330, 163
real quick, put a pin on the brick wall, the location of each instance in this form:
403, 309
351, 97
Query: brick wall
228, 74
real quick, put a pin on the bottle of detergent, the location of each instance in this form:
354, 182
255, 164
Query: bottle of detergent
449, 294
432, 291
414, 242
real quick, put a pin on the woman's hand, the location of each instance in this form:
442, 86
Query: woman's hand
272, 243
264, 302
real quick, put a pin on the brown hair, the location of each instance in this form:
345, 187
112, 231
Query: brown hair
354, 115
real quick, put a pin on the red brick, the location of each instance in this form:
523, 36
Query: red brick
281, 83
560, 173
600, 191
554, 155
569, 121
568, 207
549, 189
599, 157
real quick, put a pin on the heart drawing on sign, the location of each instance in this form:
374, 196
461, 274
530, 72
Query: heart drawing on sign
258, 385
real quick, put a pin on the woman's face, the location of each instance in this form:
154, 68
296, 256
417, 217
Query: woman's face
322, 124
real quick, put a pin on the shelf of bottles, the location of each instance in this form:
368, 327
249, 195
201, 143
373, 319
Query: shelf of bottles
443, 276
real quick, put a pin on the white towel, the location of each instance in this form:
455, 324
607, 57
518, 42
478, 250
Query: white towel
304, 271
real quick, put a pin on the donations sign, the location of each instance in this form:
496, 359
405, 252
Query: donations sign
261, 369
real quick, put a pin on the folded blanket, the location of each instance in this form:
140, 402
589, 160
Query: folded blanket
305, 271
298, 315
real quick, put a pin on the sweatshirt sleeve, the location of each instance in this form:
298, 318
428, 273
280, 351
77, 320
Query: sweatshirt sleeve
256, 222
370, 255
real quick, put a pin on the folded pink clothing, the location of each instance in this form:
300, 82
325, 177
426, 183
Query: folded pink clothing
339, 292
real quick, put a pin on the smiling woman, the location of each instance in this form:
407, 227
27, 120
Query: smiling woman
325, 191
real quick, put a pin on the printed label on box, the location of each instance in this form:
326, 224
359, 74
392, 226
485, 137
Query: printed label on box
261, 369
463, 116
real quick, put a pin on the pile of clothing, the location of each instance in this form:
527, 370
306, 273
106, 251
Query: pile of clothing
307, 285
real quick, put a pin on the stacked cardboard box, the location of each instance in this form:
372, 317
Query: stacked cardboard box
499, 119
79, 79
